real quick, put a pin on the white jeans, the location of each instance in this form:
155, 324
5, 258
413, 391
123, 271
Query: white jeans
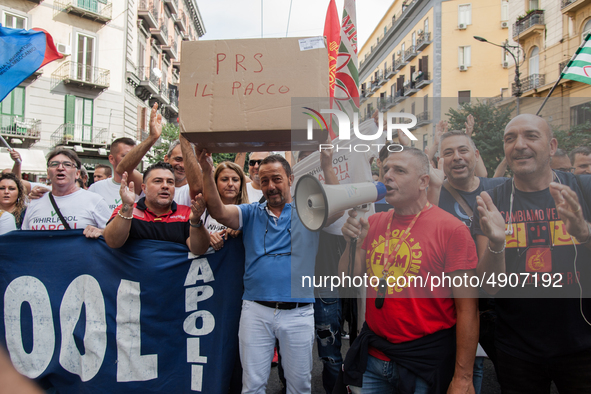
294, 328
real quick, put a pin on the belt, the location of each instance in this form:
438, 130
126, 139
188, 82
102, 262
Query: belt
283, 305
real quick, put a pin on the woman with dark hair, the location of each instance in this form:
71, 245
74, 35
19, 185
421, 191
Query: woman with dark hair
12, 197
230, 181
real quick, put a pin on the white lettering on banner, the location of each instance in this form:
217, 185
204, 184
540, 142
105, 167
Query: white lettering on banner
84, 290
132, 366
30, 290
200, 270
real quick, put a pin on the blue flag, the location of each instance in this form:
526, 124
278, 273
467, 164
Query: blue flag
22, 52
149, 317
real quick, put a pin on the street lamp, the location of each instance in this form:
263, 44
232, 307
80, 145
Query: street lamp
517, 93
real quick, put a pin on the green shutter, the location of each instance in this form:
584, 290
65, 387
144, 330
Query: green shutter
70, 114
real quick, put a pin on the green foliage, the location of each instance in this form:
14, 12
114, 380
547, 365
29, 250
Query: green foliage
489, 126
170, 133
575, 136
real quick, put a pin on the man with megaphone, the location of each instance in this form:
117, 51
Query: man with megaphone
416, 339
278, 248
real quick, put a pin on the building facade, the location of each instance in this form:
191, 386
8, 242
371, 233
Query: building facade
119, 58
422, 58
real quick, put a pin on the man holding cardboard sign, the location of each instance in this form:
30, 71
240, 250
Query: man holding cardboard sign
277, 247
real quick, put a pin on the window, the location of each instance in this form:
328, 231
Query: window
504, 10
465, 14
463, 96
79, 114
424, 141
534, 5
580, 114
14, 21
393, 90
464, 56
141, 53
402, 49
414, 38
426, 103
426, 26
586, 29
534, 61
12, 105
85, 57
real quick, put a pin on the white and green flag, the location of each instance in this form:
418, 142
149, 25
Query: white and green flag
579, 68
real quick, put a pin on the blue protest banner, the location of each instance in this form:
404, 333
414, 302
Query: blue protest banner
149, 317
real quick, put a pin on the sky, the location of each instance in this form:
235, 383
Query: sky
231, 19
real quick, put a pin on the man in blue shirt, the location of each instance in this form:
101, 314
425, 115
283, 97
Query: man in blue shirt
279, 250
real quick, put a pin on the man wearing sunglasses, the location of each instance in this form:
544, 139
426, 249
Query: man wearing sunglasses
72, 207
417, 339
279, 250
255, 193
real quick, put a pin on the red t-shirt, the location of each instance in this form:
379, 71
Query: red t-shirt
438, 242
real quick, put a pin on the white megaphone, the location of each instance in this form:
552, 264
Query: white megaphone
316, 202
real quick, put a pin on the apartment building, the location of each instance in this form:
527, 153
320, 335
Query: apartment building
422, 58
549, 33
119, 58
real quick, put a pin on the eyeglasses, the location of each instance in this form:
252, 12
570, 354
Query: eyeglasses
567, 169
252, 163
67, 164
265, 242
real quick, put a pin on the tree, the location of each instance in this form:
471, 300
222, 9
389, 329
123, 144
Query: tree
577, 135
489, 125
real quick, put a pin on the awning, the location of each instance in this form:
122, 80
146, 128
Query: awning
34, 161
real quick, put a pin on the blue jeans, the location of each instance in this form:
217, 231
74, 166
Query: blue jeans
478, 374
327, 319
381, 377
259, 327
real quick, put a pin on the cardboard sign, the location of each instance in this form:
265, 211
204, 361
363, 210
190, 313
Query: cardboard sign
235, 95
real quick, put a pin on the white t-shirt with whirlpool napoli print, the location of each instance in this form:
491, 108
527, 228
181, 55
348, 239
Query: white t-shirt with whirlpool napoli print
79, 209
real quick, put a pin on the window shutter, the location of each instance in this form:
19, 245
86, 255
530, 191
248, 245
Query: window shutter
467, 62
70, 113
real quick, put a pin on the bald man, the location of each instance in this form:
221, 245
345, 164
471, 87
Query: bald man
531, 227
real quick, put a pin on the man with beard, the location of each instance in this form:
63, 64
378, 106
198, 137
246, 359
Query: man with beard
535, 226
187, 184
581, 159
254, 188
157, 216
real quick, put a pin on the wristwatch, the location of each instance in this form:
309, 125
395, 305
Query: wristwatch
196, 225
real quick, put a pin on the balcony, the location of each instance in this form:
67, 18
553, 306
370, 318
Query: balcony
561, 67
148, 12
400, 63
100, 12
173, 5
423, 41
400, 96
390, 102
533, 81
172, 109
571, 6
160, 33
423, 118
149, 83
374, 86
381, 79
390, 72
26, 130
171, 48
70, 134
161, 95
362, 97
531, 24
410, 88
83, 75
181, 21
410, 54
36, 1
176, 64
422, 79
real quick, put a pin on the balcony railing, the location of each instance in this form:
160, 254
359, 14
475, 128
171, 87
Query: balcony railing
173, 5
171, 48
533, 18
160, 33
181, 21
399, 63
533, 81
19, 127
70, 133
423, 40
90, 9
423, 118
174, 98
561, 67
389, 72
422, 79
410, 53
148, 11
83, 75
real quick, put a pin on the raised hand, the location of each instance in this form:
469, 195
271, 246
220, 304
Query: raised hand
127, 193
491, 220
205, 161
469, 125
15, 156
569, 210
155, 122
197, 208
436, 175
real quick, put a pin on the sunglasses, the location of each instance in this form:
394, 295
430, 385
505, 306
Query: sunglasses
252, 163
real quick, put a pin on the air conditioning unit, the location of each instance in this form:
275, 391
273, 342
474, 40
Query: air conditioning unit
504, 25
398, 53
64, 49
505, 64
463, 68
462, 26
420, 31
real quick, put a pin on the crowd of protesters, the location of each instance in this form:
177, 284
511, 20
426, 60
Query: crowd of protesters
440, 215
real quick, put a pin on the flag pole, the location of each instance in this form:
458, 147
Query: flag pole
562, 72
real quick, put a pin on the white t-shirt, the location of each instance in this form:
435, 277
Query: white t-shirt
7, 223
182, 195
80, 209
109, 190
254, 195
212, 225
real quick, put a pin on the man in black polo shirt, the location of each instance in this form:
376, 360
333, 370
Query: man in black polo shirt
157, 216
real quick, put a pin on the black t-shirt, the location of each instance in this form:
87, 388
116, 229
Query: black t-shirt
533, 323
448, 203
